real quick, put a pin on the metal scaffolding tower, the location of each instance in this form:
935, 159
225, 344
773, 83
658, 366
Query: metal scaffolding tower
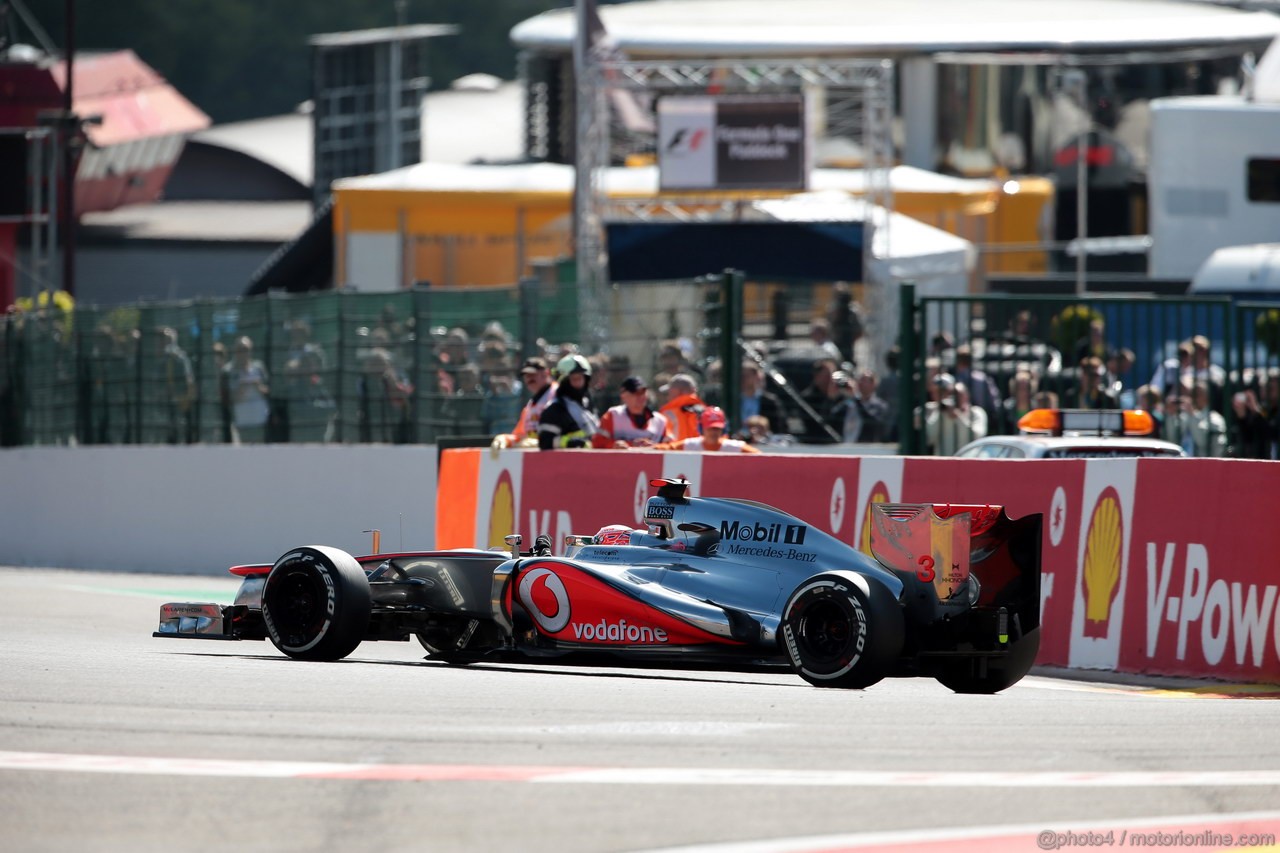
856, 97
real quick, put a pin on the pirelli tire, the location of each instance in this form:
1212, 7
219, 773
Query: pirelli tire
316, 603
993, 675
842, 629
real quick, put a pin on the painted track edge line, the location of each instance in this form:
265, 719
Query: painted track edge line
150, 765
905, 839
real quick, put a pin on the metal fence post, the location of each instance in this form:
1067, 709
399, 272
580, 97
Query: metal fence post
1233, 357
422, 309
341, 370
529, 318
910, 366
731, 290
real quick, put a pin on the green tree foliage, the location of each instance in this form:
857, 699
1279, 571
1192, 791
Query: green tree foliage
242, 59
1268, 329
1070, 325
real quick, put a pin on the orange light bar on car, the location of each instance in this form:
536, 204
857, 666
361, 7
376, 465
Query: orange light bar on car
1138, 422
1086, 422
1042, 421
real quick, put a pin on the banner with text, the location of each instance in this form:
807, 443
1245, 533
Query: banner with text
732, 142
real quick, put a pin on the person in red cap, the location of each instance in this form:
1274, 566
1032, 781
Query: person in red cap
632, 423
712, 439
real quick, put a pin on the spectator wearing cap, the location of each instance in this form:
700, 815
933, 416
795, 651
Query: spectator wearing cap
712, 440
535, 373
631, 423
683, 406
1204, 370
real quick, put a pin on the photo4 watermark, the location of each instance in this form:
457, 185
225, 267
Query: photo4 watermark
1050, 839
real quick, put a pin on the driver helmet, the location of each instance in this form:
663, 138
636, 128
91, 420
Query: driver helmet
573, 364
613, 534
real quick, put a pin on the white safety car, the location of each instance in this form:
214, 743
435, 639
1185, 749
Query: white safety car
1075, 434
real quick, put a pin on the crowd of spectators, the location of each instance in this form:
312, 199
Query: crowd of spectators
681, 402
846, 398
1185, 395
388, 385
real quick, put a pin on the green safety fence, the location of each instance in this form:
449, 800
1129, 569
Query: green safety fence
1041, 340
418, 365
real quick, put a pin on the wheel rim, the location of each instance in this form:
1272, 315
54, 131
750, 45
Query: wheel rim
298, 607
825, 631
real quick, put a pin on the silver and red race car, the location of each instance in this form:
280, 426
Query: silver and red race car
952, 593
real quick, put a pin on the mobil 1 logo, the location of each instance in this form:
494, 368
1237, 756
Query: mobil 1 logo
785, 534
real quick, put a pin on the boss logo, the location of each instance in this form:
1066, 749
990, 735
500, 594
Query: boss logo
660, 511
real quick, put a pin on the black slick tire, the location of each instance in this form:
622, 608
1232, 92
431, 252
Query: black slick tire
316, 603
842, 630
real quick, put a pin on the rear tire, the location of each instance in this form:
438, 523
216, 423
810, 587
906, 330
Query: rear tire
842, 630
316, 603
961, 676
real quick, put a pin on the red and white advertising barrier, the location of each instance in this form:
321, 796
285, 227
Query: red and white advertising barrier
1159, 566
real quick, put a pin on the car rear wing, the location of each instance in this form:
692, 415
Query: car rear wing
943, 544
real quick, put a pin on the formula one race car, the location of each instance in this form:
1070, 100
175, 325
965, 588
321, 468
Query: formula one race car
953, 593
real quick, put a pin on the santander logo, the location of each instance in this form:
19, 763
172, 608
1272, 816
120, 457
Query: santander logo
543, 594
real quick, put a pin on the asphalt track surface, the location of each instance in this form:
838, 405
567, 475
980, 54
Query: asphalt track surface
111, 739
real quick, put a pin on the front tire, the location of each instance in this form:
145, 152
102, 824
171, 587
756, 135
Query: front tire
316, 603
842, 630
964, 676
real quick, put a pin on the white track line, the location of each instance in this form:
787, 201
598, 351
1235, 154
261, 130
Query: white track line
630, 775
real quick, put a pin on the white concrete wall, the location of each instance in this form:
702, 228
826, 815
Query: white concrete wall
202, 508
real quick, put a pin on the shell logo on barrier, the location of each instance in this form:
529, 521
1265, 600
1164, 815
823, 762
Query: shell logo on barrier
502, 511
879, 495
543, 594
1100, 574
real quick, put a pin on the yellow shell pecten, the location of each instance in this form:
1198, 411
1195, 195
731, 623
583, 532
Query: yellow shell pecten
1102, 559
